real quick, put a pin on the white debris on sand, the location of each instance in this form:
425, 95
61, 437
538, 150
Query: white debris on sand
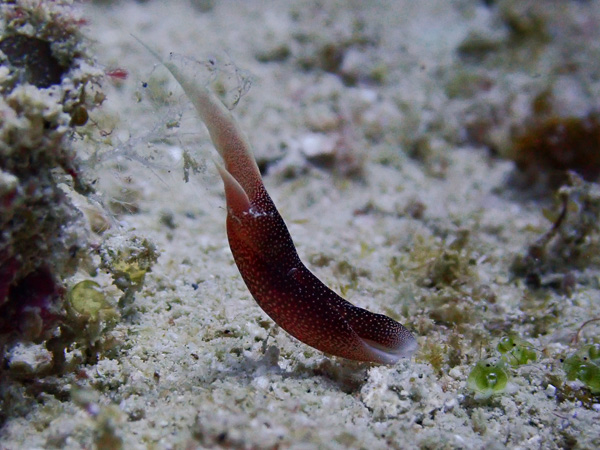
392, 198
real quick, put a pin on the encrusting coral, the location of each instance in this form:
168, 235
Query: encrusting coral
43, 235
48, 83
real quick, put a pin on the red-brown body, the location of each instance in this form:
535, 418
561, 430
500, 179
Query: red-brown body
294, 297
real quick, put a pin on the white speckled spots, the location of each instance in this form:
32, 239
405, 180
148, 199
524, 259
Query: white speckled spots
299, 302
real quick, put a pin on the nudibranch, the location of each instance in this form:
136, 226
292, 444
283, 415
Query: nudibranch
266, 257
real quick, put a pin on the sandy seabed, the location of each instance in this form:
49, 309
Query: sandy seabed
366, 119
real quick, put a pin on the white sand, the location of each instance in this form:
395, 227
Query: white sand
192, 371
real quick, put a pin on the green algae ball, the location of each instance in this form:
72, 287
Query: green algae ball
88, 299
589, 374
516, 351
488, 377
580, 367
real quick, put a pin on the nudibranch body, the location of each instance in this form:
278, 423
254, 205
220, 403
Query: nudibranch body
269, 264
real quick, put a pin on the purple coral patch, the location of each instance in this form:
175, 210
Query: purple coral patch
31, 308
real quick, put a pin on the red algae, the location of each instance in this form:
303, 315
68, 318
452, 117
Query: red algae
556, 145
